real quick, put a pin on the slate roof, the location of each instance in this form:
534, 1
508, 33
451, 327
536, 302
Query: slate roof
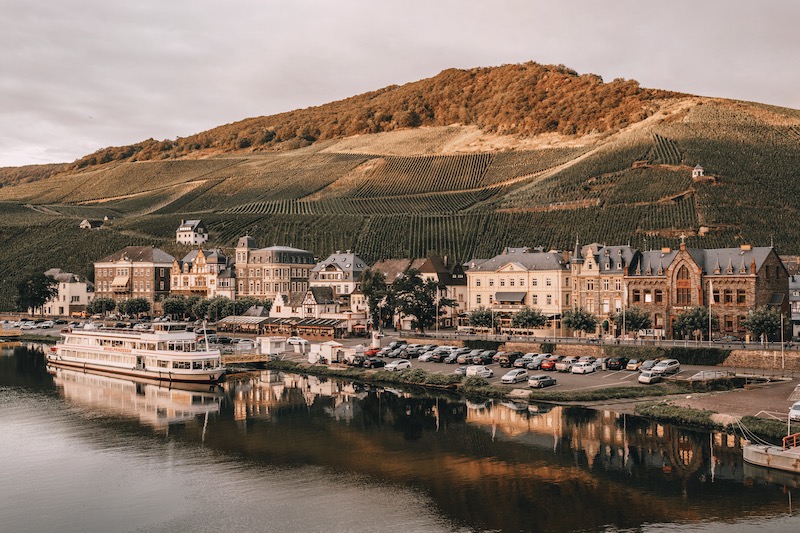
713, 261
530, 260
213, 255
610, 259
322, 295
394, 268
344, 261
139, 254
192, 225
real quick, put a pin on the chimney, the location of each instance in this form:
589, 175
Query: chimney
666, 250
746, 247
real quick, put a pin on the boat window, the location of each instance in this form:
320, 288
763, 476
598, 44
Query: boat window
182, 365
198, 365
163, 364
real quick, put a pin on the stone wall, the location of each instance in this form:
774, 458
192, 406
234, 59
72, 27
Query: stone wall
763, 359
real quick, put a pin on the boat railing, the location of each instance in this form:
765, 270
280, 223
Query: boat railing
790, 441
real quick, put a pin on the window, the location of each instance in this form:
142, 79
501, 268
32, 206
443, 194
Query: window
617, 285
658, 320
648, 296
491, 282
590, 305
477, 282
683, 290
716, 295
534, 282
502, 282
659, 296
728, 296
535, 299
478, 299
606, 305
549, 299
511, 282
566, 300
637, 296
605, 284
741, 297
548, 282
491, 298
589, 284
521, 282
617, 305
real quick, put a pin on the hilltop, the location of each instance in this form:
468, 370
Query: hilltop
461, 164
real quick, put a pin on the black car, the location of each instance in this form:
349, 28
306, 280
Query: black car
617, 363
507, 359
439, 357
482, 359
373, 362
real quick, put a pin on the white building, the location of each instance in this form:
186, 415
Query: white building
191, 232
341, 271
73, 294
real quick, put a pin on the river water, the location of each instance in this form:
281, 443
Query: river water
284, 452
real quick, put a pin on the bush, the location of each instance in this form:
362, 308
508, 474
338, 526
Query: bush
677, 415
699, 356
475, 381
547, 347
482, 345
773, 430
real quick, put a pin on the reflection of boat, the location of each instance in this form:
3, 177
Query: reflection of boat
152, 402
168, 353
785, 457
769, 475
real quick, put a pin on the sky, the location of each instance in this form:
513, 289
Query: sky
80, 75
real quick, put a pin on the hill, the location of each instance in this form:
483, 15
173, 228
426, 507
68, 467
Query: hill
507, 156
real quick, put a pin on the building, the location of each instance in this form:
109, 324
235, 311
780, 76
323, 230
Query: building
198, 273
91, 224
519, 278
73, 294
192, 232
731, 281
794, 303
598, 281
319, 304
134, 272
341, 271
452, 283
266, 272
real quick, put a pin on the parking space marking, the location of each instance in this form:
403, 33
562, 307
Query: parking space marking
610, 373
627, 376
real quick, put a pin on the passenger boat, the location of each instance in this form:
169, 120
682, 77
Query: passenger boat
785, 457
168, 352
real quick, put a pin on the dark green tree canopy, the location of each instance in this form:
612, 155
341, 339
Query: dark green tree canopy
528, 317
764, 321
419, 298
632, 319
480, 317
579, 320
35, 291
101, 306
694, 323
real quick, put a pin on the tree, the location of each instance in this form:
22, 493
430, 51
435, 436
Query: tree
134, 306
633, 319
380, 300
694, 322
101, 306
174, 306
35, 291
480, 317
579, 320
419, 298
528, 317
763, 322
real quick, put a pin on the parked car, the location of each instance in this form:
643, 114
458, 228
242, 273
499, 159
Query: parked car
400, 364
582, 367
648, 364
634, 364
523, 361
648, 376
794, 412
539, 381
514, 376
728, 338
599, 363
536, 362
550, 362
397, 344
460, 370
372, 352
397, 352
617, 363
439, 356
45, 324
667, 366
424, 358
507, 359
451, 359
587, 358
245, 345
480, 370
373, 362
565, 365
297, 341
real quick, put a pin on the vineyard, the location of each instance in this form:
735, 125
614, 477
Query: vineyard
406, 195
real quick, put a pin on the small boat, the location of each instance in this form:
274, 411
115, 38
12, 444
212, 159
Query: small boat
168, 352
785, 457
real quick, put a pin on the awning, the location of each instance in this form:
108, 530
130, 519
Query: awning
120, 282
514, 297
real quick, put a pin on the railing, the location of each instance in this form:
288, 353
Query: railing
790, 441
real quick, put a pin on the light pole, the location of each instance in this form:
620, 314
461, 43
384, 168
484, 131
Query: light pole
783, 359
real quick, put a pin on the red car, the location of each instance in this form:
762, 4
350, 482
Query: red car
550, 363
372, 351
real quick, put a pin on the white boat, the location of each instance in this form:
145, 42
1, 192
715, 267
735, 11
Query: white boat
785, 457
166, 353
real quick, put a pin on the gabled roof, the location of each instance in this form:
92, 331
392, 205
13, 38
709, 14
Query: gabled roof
394, 268
213, 255
344, 261
610, 259
192, 225
139, 254
713, 261
322, 295
530, 260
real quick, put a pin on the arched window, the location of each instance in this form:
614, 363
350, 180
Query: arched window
683, 287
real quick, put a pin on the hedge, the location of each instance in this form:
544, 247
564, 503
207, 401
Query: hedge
687, 356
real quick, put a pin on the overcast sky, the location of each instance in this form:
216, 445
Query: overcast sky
79, 75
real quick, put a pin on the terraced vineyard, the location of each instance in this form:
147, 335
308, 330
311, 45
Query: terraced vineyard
436, 190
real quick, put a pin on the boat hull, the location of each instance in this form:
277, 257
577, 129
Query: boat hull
212, 376
786, 459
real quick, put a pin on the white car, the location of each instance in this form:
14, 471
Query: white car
648, 376
294, 341
399, 364
46, 324
480, 370
426, 356
582, 367
667, 366
794, 412
514, 376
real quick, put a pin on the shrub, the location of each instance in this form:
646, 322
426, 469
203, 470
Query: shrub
475, 381
677, 415
547, 347
773, 430
699, 356
482, 345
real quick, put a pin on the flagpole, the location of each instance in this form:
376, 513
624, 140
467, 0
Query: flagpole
710, 301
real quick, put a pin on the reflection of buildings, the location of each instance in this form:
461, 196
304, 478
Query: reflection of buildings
153, 404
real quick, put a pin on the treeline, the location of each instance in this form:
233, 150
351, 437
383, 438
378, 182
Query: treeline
523, 99
29, 173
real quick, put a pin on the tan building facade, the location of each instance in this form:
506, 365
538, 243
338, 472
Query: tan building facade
134, 272
266, 272
197, 273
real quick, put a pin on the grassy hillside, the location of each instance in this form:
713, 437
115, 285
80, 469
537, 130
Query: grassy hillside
459, 190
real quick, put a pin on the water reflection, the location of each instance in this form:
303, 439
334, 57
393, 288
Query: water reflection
481, 464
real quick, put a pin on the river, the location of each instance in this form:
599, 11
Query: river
286, 452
